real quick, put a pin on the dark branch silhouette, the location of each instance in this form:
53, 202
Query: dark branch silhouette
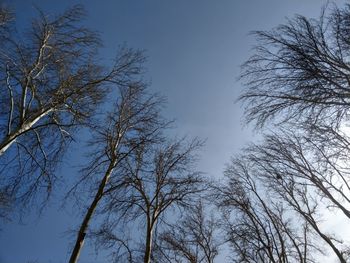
259, 226
52, 84
156, 180
134, 123
300, 71
194, 239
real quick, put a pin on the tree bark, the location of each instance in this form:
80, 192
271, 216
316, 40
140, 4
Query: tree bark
148, 249
84, 226
6, 143
26, 126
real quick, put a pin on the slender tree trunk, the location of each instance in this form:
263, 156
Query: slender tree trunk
85, 224
149, 236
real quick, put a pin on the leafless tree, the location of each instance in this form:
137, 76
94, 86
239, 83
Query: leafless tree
304, 176
311, 161
260, 228
194, 239
156, 179
52, 83
300, 70
135, 122
299, 77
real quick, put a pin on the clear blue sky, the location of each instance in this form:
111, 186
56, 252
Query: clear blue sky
195, 48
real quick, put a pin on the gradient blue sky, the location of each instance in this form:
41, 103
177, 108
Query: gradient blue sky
195, 49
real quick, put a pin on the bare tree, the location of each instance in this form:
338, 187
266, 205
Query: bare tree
300, 71
194, 239
304, 176
260, 227
135, 122
156, 179
52, 83
299, 77
310, 161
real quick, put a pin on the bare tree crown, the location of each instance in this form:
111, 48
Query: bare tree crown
300, 71
53, 84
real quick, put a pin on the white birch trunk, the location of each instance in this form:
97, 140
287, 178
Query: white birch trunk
10, 139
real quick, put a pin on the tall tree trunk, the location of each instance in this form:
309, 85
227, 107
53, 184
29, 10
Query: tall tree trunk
84, 226
149, 236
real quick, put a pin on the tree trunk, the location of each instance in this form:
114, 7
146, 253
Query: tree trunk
6, 143
84, 226
26, 126
148, 249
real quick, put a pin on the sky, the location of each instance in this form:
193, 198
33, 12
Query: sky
195, 49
